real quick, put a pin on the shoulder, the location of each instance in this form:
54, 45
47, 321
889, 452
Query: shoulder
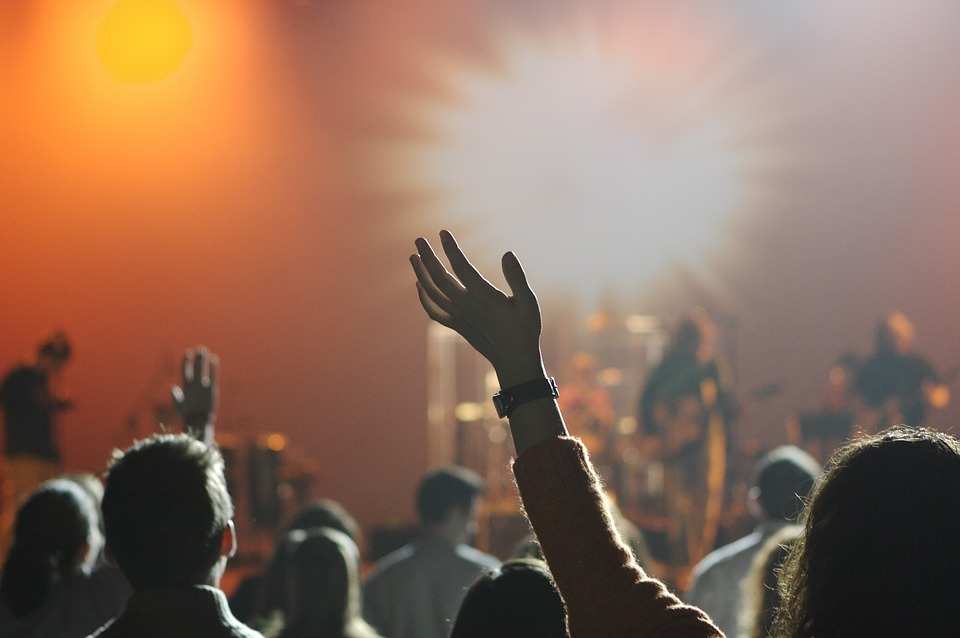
105, 631
719, 559
394, 562
476, 557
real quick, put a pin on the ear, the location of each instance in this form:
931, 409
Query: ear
228, 542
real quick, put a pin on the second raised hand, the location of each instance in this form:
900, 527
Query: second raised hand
504, 329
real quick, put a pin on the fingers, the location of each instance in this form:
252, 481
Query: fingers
426, 282
186, 366
516, 278
200, 366
443, 279
474, 337
433, 310
199, 363
469, 275
213, 369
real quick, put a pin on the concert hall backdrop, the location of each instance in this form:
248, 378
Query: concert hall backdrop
250, 175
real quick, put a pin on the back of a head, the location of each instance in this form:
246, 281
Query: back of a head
520, 600
165, 509
52, 528
444, 490
326, 513
784, 477
879, 553
324, 585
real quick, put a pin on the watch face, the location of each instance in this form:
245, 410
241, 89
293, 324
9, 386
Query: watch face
502, 402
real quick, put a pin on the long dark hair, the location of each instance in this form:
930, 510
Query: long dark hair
879, 552
52, 527
324, 586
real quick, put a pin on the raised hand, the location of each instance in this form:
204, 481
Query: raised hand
505, 330
196, 397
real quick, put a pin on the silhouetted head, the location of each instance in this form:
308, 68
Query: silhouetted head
323, 588
322, 513
446, 503
54, 353
55, 534
167, 513
879, 553
519, 600
783, 479
694, 336
326, 513
895, 334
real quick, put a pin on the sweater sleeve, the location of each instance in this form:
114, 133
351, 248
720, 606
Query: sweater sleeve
606, 592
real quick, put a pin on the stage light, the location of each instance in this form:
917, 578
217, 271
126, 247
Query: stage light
142, 41
603, 165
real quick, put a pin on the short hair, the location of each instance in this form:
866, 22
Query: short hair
442, 491
519, 600
784, 478
165, 509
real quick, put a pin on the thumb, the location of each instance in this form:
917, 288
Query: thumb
516, 278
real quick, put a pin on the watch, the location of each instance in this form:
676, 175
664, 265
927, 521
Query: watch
506, 401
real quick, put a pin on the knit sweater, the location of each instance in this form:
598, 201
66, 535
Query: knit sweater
607, 594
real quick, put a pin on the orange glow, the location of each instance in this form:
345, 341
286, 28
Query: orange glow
144, 40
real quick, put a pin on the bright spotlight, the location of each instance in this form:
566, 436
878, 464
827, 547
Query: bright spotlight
143, 40
597, 163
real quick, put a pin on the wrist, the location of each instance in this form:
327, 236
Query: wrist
519, 370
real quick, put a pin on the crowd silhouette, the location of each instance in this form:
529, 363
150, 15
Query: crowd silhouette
865, 547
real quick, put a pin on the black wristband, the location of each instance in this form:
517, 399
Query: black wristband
506, 401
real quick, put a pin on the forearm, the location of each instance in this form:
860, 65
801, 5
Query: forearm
535, 421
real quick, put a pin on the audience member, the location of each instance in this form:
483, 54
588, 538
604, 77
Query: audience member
323, 589
784, 477
606, 592
168, 519
415, 592
260, 596
47, 587
761, 590
878, 556
519, 600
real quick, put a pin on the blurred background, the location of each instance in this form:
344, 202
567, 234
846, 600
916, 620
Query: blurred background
250, 175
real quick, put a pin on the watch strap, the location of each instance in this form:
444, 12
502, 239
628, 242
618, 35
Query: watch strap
507, 400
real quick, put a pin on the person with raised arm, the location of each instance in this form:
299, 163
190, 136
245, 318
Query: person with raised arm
606, 592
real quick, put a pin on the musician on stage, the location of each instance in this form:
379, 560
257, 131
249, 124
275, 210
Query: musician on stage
30, 409
894, 384
688, 408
